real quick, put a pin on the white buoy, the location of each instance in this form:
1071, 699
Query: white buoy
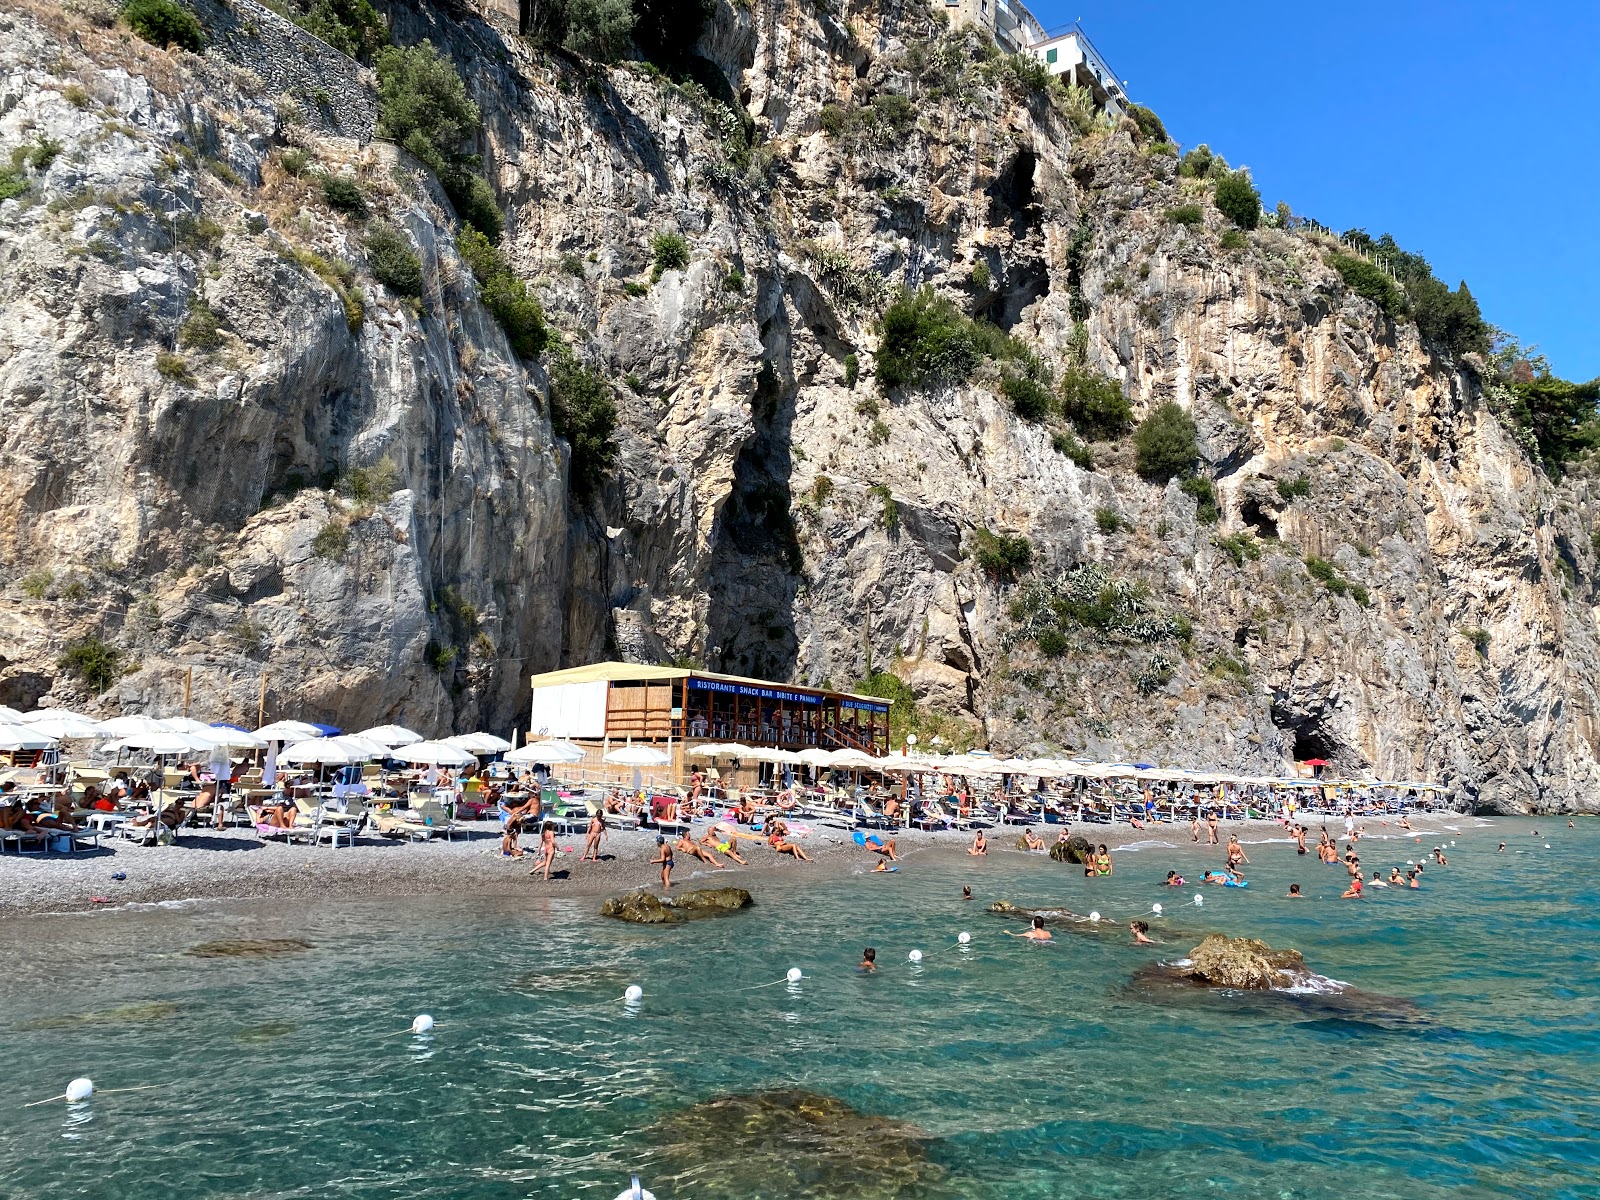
1547, 845
794, 975
1156, 908
1198, 899
1408, 862
916, 956
963, 937
421, 1023
79, 1090
634, 994
1094, 917
635, 1192
1452, 841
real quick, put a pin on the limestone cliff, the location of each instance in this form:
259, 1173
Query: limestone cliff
772, 510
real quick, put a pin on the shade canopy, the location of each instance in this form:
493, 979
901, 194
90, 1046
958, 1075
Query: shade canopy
479, 743
320, 751
815, 756
43, 714
184, 725
366, 747
289, 731
722, 750
546, 752
68, 726
232, 737
435, 754
392, 735
638, 756
158, 741
24, 737
123, 726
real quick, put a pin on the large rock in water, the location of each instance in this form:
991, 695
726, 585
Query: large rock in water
1221, 961
791, 1142
646, 908
1075, 849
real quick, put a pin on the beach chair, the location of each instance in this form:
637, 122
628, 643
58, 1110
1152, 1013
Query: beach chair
18, 840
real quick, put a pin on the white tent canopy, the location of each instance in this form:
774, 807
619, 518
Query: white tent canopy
123, 726
327, 752
70, 726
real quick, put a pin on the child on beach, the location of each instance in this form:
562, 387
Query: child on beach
547, 851
509, 839
664, 857
597, 830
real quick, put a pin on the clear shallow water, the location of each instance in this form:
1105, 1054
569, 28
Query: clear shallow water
1032, 1071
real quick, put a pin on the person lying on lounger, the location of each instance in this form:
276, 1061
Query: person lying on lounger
172, 816
14, 816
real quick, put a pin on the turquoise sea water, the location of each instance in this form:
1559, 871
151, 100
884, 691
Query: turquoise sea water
1025, 1071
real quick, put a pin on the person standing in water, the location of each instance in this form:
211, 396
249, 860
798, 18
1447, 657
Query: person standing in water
1141, 933
1102, 860
664, 858
869, 960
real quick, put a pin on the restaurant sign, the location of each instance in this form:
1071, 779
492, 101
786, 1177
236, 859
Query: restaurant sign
759, 693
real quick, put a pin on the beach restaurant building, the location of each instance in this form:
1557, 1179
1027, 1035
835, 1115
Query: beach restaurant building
606, 705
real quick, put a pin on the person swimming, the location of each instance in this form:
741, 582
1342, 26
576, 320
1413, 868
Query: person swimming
1353, 892
1294, 892
1038, 933
966, 893
1173, 880
869, 960
1141, 933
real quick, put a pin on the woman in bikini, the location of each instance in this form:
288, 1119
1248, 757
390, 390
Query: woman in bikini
1102, 860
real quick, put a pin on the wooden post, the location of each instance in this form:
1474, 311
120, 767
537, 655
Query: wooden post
261, 704
188, 688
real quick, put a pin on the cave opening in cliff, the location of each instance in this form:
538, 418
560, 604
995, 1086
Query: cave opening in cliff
1251, 514
1011, 194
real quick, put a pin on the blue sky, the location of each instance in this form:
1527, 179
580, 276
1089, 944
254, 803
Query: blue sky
1467, 130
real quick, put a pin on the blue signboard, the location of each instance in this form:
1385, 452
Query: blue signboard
774, 693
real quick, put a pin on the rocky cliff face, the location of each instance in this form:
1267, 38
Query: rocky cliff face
772, 510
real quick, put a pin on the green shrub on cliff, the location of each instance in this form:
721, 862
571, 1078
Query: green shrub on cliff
1365, 279
394, 263
1002, 557
1165, 444
424, 106
96, 662
351, 26
163, 23
1238, 200
583, 412
1095, 404
505, 295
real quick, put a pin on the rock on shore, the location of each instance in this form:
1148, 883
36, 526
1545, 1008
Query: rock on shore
646, 908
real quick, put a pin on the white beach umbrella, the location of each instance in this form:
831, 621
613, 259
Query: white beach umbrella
328, 752
815, 756
234, 738
365, 747
44, 714
288, 731
69, 727
723, 750
435, 754
479, 743
158, 741
772, 754
10, 716
638, 756
123, 726
856, 759
392, 735
546, 752
183, 725
24, 737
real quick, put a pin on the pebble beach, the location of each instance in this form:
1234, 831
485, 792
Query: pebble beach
234, 864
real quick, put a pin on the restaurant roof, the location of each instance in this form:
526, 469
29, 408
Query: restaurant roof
614, 672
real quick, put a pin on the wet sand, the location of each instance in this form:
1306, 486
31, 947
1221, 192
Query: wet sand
208, 864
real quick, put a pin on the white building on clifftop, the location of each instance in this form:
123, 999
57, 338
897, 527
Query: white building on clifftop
1064, 52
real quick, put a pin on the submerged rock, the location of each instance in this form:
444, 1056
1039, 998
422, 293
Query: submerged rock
128, 1014
646, 908
792, 1143
1074, 850
248, 948
1051, 916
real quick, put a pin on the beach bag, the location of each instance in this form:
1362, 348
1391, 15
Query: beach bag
59, 843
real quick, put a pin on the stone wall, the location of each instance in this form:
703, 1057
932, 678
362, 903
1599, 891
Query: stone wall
332, 91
